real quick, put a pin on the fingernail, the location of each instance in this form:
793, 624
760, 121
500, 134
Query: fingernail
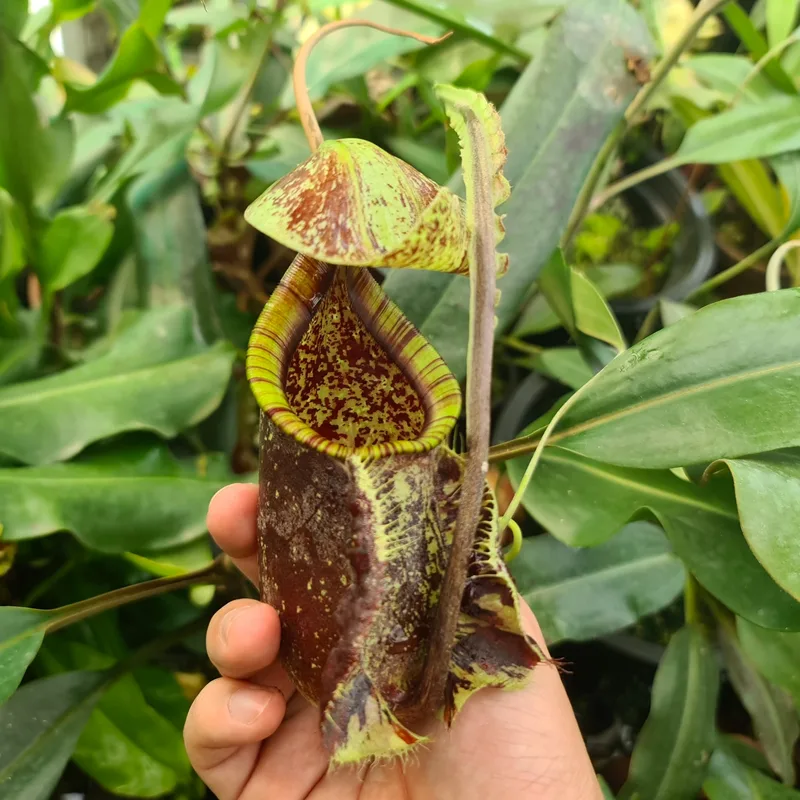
219, 491
247, 705
227, 622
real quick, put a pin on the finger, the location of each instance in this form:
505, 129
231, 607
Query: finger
528, 737
231, 521
242, 642
224, 730
243, 637
293, 762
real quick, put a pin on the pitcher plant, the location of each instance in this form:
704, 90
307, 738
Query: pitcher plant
379, 543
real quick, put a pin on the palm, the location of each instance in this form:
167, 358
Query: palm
491, 751
250, 736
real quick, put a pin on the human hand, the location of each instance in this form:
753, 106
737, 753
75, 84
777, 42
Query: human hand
250, 736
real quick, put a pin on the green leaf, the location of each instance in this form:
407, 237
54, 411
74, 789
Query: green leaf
787, 168
555, 284
611, 280
99, 500
752, 39
509, 15
429, 159
162, 127
96, 143
748, 751
771, 709
592, 314
178, 560
342, 56
720, 383
12, 242
226, 66
671, 755
729, 779
154, 378
752, 185
556, 118
672, 312
163, 692
771, 527
781, 16
215, 15
35, 157
21, 347
582, 594
19, 356
136, 58
152, 15
564, 364
13, 14
41, 724
67, 10
750, 130
584, 502
72, 246
122, 12
750, 180
129, 748
287, 147
21, 633
126, 745
471, 28
607, 793
777, 655
726, 73
170, 237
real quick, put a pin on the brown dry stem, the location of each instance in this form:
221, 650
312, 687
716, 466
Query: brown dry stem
483, 268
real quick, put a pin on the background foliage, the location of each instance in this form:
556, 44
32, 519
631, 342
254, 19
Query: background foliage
653, 154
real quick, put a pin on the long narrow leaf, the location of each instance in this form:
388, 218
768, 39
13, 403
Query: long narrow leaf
671, 756
556, 118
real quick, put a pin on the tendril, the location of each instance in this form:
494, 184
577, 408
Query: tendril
304, 107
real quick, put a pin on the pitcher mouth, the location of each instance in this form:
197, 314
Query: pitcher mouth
338, 367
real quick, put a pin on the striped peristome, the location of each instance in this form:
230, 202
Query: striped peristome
287, 318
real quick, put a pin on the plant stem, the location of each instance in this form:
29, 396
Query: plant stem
156, 646
647, 325
634, 179
67, 615
423, 10
51, 580
703, 11
145, 653
539, 445
773, 274
737, 269
483, 278
532, 443
514, 448
586, 193
762, 63
691, 602
516, 542
741, 24
304, 107
522, 346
